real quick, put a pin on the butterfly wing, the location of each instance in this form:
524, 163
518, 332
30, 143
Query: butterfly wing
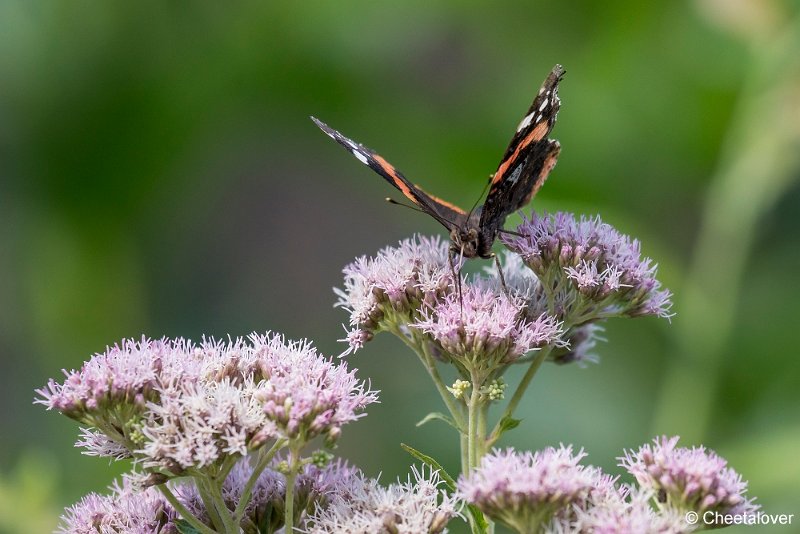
449, 215
527, 161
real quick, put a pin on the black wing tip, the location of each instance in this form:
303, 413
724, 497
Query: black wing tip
330, 132
318, 122
556, 74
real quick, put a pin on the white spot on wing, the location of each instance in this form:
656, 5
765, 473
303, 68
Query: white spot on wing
544, 105
525, 122
361, 157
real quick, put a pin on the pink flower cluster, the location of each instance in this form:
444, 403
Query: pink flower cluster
175, 405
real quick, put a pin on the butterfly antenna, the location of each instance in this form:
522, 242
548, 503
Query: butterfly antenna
390, 200
502, 231
460, 293
500, 274
483, 192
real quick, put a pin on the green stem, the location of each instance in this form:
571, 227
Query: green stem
226, 467
215, 487
263, 461
473, 414
519, 392
201, 483
464, 452
291, 476
483, 413
427, 361
183, 511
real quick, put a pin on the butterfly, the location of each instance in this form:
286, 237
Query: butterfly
523, 170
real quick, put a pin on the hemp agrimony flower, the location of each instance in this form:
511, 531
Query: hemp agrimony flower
595, 270
483, 329
218, 431
525, 490
693, 479
125, 509
623, 510
387, 291
175, 405
364, 506
194, 411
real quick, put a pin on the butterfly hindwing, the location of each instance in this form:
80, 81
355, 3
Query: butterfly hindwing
528, 159
449, 215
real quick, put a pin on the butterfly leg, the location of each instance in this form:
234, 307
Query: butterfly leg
457, 279
500, 274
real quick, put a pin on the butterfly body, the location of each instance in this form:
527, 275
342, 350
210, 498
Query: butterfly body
528, 160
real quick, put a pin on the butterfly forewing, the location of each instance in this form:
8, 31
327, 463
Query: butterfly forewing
449, 215
527, 161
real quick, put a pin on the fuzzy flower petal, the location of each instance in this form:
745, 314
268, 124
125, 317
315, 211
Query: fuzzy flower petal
689, 479
365, 507
306, 394
525, 490
124, 510
622, 510
604, 266
387, 289
175, 405
485, 325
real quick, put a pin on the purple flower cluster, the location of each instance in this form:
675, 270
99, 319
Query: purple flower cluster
390, 288
175, 405
313, 488
485, 328
601, 270
125, 509
689, 479
622, 510
410, 290
124, 375
131, 509
525, 490
549, 491
364, 506
563, 276
305, 394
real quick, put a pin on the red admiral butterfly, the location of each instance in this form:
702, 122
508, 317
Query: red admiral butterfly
526, 163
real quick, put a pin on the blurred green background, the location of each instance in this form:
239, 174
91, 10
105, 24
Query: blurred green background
159, 175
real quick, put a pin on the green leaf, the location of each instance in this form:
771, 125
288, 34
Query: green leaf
477, 516
441, 417
184, 527
424, 458
508, 423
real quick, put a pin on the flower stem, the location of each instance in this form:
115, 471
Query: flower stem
263, 461
472, 434
215, 487
291, 476
201, 482
184, 512
430, 366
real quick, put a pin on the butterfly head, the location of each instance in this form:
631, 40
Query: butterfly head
465, 242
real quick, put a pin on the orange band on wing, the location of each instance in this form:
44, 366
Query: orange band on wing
400, 184
537, 134
446, 203
549, 163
